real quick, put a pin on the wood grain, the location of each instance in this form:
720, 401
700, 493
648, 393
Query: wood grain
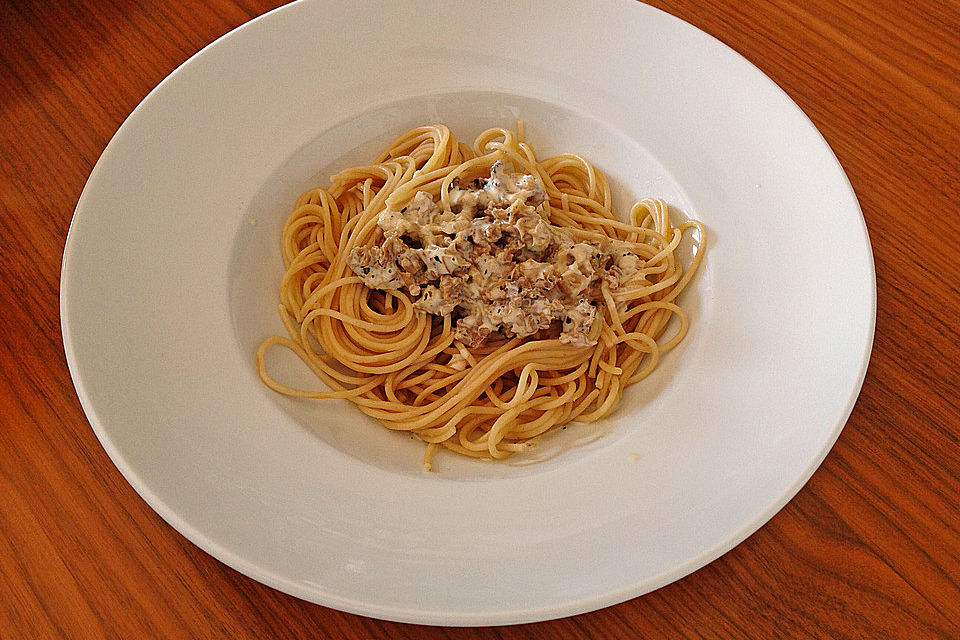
870, 548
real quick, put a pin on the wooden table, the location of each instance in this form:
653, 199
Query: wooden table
869, 548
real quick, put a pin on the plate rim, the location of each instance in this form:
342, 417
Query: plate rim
425, 615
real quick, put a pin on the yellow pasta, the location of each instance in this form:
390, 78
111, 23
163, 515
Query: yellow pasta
405, 368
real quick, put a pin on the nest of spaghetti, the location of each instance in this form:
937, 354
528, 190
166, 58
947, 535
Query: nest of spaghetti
477, 296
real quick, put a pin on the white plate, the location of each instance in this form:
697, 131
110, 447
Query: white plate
170, 279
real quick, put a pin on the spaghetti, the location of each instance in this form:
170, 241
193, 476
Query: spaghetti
494, 395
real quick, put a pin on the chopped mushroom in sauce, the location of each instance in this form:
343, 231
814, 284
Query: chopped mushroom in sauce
494, 262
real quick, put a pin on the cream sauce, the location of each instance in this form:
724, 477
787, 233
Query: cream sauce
494, 261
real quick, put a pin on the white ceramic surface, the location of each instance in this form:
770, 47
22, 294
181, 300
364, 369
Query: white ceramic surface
171, 268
